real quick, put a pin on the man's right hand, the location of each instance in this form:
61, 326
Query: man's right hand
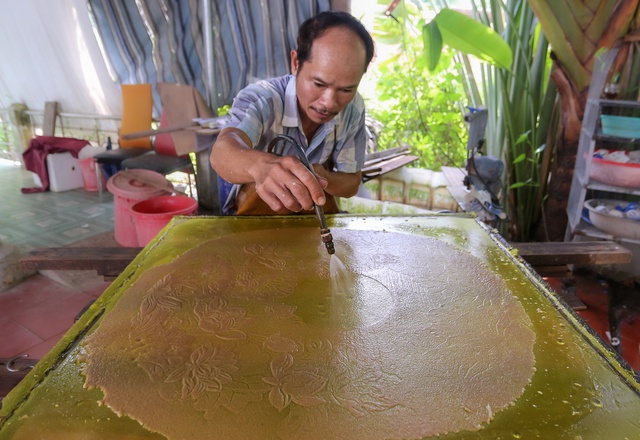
286, 183
281, 181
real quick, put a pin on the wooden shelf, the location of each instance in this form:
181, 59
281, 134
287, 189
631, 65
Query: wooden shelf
588, 230
590, 138
576, 252
108, 261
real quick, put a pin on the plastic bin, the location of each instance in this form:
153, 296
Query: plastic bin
88, 168
128, 191
64, 172
151, 215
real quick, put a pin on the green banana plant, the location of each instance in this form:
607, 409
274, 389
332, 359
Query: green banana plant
536, 104
520, 102
463, 33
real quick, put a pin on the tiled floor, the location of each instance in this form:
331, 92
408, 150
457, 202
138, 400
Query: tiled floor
48, 219
37, 312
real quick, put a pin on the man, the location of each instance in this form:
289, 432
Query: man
318, 105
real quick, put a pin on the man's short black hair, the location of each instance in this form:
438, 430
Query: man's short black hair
315, 26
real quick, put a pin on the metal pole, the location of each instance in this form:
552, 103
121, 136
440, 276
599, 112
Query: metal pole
207, 25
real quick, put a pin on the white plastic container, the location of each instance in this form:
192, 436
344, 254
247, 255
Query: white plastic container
613, 173
64, 172
615, 225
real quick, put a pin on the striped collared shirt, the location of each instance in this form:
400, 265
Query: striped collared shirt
269, 108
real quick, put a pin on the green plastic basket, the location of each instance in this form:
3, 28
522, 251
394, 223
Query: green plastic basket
620, 126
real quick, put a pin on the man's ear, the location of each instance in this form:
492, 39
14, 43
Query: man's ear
294, 62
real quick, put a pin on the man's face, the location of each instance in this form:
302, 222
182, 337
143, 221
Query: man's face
328, 80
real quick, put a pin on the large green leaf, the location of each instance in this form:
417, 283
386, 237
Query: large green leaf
432, 40
473, 38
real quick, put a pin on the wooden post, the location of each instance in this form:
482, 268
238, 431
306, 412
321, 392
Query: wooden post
50, 117
22, 130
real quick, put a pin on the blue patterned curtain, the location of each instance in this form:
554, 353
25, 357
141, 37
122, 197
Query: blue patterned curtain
162, 41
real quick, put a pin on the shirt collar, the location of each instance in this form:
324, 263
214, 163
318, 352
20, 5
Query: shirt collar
290, 115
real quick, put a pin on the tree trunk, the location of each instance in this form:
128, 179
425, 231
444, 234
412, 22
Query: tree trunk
553, 222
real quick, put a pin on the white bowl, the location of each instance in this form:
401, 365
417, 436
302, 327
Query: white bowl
617, 226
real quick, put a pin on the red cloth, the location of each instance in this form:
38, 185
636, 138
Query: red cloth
35, 157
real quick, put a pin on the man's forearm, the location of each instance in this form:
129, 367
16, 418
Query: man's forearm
342, 184
231, 156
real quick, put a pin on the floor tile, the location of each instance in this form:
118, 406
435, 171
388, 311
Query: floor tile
98, 290
39, 350
48, 218
629, 326
49, 318
15, 338
29, 293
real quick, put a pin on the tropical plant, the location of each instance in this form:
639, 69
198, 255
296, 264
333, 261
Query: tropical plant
577, 32
521, 105
416, 106
512, 84
424, 111
463, 33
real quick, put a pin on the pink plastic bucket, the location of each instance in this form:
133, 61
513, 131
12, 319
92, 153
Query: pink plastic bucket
88, 168
128, 191
151, 215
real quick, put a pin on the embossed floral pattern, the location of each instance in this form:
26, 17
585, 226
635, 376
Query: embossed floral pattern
289, 385
280, 311
208, 369
280, 344
270, 256
223, 321
242, 335
162, 301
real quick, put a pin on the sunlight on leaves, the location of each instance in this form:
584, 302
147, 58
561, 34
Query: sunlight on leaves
472, 37
432, 40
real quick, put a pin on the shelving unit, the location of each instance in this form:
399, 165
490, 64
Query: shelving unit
591, 138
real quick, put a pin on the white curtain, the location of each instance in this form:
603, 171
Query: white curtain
78, 52
48, 53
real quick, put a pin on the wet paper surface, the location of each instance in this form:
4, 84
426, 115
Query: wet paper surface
246, 328
247, 333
